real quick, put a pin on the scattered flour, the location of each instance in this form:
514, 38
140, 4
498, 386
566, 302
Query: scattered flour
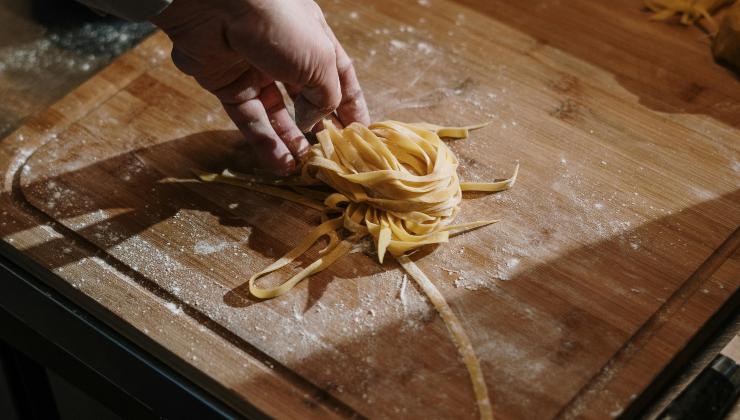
76, 49
424, 48
506, 270
402, 290
395, 43
172, 307
207, 248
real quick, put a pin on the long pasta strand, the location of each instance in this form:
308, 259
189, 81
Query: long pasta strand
394, 182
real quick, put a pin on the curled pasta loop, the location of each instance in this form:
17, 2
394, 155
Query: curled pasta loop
395, 182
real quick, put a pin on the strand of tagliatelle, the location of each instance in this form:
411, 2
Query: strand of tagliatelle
393, 181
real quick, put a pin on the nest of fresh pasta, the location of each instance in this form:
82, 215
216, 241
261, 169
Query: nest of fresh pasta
394, 182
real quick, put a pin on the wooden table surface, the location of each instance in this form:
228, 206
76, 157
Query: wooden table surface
47, 48
616, 247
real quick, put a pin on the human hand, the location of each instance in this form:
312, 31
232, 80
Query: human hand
238, 49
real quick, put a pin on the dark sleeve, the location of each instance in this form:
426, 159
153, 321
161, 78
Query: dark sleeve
129, 9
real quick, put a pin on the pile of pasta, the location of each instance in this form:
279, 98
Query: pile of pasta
394, 182
689, 10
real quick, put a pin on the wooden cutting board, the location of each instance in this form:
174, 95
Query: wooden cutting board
616, 247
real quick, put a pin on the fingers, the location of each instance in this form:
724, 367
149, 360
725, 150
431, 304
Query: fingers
240, 88
251, 119
282, 123
256, 106
352, 106
321, 95
294, 90
299, 49
291, 47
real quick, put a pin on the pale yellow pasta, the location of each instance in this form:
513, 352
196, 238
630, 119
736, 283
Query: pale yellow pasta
690, 10
394, 182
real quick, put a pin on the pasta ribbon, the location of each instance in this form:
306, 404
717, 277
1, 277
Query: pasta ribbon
690, 10
394, 182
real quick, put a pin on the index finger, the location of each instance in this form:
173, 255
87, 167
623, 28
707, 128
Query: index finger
352, 106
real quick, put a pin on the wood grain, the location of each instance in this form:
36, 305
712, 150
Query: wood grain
608, 260
47, 48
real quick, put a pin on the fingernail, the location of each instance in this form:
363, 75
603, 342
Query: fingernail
307, 116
